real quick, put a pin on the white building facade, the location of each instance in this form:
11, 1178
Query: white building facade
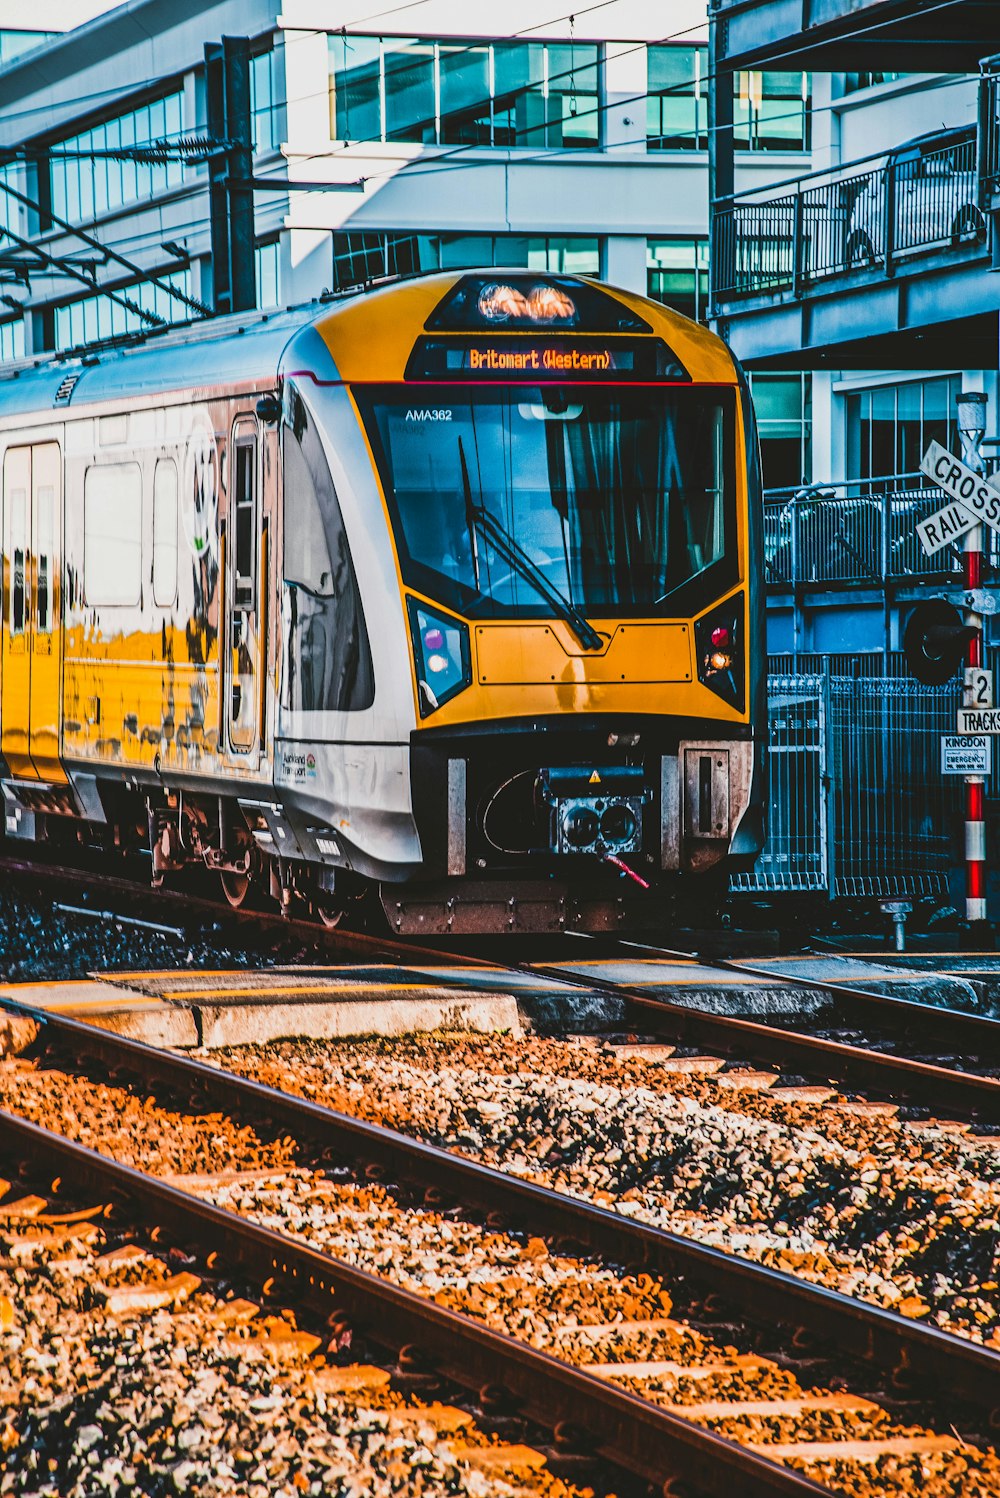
422, 138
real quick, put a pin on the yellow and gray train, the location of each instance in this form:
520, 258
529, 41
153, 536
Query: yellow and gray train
446, 594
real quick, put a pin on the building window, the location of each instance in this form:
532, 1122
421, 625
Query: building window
11, 340
112, 534
13, 213
267, 100
677, 274
783, 405
855, 81
890, 426
541, 94
86, 188
367, 255
98, 317
677, 99
465, 95
770, 110
266, 272
408, 89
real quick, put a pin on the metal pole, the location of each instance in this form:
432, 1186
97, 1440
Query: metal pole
242, 271
972, 427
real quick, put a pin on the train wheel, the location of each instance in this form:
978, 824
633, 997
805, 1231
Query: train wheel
235, 886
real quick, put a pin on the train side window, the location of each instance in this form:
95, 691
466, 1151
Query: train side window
112, 534
328, 660
244, 456
44, 535
17, 499
165, 533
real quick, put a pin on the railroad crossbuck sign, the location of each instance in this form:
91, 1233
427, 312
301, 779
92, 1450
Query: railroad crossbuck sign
973, 500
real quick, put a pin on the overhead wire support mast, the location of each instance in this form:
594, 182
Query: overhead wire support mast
972, 427
95, 244
46, 257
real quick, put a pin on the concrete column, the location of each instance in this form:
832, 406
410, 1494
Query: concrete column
623, 94
828, 447
825, 122
624, 262
307, 91
306, 264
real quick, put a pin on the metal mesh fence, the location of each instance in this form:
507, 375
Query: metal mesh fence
858, 806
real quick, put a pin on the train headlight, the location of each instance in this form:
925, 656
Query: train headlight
441, 655
718, 639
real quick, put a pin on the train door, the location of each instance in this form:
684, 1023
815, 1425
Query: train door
31, 626
244, 645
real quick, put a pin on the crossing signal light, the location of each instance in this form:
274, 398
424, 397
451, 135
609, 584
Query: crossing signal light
934, 641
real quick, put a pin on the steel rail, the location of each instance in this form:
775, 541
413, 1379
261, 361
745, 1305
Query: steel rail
960, 1095
905, 1350
957, 1028
963, 1096
632, 1433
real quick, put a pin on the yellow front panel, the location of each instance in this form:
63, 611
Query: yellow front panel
542, 653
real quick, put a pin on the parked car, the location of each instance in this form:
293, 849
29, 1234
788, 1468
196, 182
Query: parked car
934, 184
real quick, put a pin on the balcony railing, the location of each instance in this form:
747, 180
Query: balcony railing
873, 214
859, 531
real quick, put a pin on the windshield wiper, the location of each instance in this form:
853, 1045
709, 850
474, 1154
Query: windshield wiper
517, 558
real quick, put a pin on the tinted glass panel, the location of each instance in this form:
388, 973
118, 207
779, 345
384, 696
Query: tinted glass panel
409, 91
623, 499
465, 95
328, 661
354, 88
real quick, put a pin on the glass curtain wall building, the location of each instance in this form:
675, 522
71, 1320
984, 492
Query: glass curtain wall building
431, 92
368, 255
85, 186
534, 99
889, 427
771, 110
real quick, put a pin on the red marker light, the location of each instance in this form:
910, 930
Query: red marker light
720, 637
433, 639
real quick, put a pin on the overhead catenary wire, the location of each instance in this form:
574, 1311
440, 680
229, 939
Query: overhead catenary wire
95, 244
444, 161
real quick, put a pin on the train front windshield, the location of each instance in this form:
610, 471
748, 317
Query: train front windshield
621, 501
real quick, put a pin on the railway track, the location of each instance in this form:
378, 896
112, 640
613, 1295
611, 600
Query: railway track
875, 1063
119, 1259
942, 1063
895, 1361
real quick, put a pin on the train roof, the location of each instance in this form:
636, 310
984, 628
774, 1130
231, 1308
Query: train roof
362, 335
237, 347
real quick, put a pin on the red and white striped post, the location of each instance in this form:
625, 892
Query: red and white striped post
972, 428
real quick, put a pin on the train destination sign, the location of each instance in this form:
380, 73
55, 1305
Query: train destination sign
972, 497
965, 754
514, 358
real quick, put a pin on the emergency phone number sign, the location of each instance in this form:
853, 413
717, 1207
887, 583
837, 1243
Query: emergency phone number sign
963, 754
